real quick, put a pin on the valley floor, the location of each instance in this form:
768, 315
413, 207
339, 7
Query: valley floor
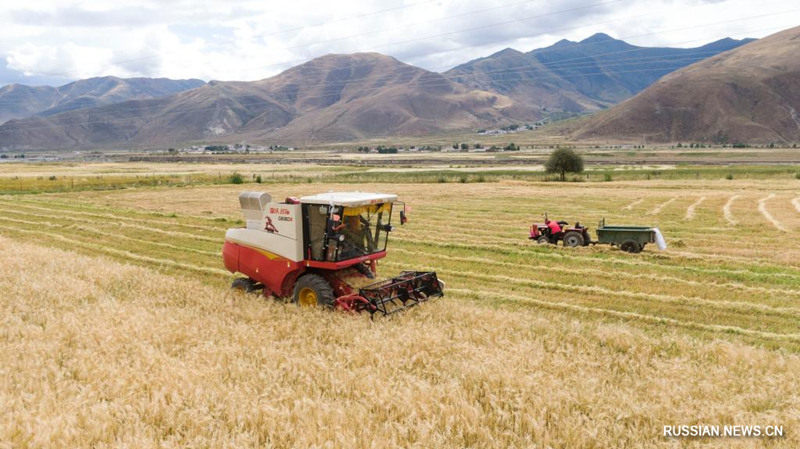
119, 328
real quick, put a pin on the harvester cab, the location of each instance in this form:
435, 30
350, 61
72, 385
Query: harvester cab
323, 250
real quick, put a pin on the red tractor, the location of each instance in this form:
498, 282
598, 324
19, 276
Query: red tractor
318, 249
571, 236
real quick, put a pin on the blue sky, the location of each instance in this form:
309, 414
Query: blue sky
54, 42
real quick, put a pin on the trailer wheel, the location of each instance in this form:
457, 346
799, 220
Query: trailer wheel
629, 246
543, 240
573, 239
313, 290
246, 285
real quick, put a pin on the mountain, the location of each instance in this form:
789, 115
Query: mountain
331, 98
20, 101
589, 75
749, 94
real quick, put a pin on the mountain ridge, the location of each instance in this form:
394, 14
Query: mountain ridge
348, 97
90, 92
748, 94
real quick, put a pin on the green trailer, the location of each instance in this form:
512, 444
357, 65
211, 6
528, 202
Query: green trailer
629, 238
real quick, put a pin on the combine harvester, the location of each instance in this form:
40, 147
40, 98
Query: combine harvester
314, 249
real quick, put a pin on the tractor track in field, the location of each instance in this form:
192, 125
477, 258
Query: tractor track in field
94, 207
121, 253
603, 273
480, 294
661, 206
519, 249
633, 204
690, 211
735, 306
124, 225
762, 207
520, 239
111, 235
108, 216
519, 233
726, 210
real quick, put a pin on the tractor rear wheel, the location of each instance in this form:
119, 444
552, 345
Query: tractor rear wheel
543, 240
573, 239
246, 285
312, 290
629, 246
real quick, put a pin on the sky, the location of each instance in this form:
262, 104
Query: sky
53, 42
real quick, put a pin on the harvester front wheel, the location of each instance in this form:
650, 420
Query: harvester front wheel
543, 240
573, 239
246, 285
312, 290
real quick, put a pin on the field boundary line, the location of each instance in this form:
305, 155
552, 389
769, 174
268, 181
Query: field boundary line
726, 210
762, 207
478, 294
690, 211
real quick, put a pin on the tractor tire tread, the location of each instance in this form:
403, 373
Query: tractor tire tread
573, 237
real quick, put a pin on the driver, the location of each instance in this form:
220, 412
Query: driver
555, 229
355, 236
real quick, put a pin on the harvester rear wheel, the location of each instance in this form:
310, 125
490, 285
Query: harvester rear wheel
246, 285
543, 240
573, 239
312, 290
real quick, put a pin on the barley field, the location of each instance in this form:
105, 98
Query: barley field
119, 329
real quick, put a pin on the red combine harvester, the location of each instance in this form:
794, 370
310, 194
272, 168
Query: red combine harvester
314, 249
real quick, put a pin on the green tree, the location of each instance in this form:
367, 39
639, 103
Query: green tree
563, 161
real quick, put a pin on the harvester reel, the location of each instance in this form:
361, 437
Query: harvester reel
312, 290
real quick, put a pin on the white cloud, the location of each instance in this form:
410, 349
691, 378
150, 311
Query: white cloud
249, 39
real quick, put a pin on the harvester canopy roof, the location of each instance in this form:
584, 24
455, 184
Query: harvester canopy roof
349, 199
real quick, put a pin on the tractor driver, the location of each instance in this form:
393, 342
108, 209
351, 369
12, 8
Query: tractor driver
355, 237
555, 229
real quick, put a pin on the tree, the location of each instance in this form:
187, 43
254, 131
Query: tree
563, 161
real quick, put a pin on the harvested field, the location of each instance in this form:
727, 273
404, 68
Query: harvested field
135, 331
